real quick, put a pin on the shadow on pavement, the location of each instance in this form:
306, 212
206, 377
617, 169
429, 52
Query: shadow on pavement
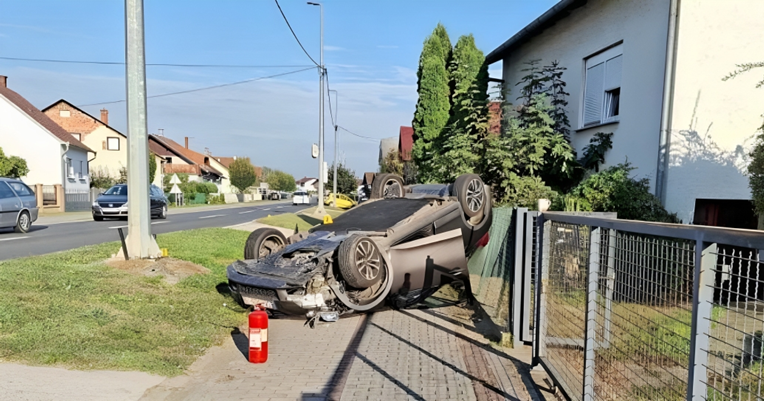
241, 342
35, 227
336, 383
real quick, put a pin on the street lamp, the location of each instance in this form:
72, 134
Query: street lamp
320, 208
334, 175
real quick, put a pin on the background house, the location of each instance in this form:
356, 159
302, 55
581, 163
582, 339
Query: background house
55, 158
307, 184
181, 159
386, 146
643, 70
110, 144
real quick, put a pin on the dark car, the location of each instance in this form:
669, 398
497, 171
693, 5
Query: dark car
113, 203
400, 246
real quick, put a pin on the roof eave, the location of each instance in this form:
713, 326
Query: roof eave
555, 13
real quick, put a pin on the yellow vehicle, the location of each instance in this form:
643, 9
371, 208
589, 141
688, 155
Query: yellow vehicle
343, 202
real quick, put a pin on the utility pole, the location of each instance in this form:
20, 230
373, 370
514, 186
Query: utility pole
140, 244
334, 175
320, 208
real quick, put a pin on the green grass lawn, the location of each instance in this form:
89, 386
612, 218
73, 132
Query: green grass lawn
302, 219
72, 310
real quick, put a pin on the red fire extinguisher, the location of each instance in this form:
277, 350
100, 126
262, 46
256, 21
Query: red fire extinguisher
258, 335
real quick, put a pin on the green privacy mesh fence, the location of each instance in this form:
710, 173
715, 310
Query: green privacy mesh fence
491, 268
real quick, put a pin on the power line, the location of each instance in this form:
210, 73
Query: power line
40, 60
206, 87
293, 33
329, 98
369, 138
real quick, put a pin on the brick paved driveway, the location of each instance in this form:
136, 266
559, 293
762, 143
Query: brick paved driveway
429, 354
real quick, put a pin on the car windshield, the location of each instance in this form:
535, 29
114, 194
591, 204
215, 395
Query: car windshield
117, 190
300, 194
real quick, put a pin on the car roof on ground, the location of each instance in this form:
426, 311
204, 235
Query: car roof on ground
374, 216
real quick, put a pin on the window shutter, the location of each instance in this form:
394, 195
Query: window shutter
593, 94
614, 73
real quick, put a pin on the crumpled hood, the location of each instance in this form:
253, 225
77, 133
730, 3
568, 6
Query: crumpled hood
295, 264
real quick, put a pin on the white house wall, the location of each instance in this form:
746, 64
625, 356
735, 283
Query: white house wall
642, 26
79, 164
21, 136
713, 121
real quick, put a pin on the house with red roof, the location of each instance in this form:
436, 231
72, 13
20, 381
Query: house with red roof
53, 155
199, 167
405, 142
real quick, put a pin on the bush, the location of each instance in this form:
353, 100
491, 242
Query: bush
612, 190
216, 199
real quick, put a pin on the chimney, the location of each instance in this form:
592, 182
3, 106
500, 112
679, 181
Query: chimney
3, 81
187, 141
105, 116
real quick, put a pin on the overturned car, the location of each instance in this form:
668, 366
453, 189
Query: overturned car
399, 247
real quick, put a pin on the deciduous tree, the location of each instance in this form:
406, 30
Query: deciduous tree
12, 166
242, 173
346, 179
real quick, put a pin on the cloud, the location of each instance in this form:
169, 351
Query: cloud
274, 122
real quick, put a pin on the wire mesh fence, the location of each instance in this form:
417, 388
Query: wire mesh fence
650, 312
734, 367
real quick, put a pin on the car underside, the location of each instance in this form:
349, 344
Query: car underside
396, 249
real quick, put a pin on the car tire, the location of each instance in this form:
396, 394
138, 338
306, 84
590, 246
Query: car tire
387, 186
23, 223
163, 213
471, 194
263, 242
360, 262
98, 218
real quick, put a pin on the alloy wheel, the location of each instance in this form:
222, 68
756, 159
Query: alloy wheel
392, 189
368, 260
475, 195
270, 245
24, 221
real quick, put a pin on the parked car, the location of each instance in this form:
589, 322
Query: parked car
400, 246
113, 203
343, 202
18, 205
301, 198
274, 195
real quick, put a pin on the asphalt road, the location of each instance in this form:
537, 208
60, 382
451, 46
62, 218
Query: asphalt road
44, 239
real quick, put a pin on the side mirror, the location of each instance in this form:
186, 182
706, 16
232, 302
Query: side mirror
100, 193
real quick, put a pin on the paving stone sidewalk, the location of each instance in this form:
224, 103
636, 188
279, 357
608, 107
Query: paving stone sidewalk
430, 354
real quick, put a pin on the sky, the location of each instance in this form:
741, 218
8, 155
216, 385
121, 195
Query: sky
371, 51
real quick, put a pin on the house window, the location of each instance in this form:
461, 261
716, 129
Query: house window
112, 143
64, 113
602, 87
69, 168
81, 171
77, 135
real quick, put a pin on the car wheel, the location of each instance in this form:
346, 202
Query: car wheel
469, 190
163, 213
24, 223
98, 218
387, 186
263, 242
360, 262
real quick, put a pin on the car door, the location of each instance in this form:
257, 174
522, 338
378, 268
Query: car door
9, 206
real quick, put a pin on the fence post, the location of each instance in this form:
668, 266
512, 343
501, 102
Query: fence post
610, 277
60, 197
703, 298
39, 196
528, 238
520, 213
592, 305
542, 274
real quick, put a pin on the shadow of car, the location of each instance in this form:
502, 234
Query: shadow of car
400, 247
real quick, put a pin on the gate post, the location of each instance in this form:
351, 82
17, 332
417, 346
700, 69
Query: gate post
703, 297
517, 299
542, 276
592, 305
610, 277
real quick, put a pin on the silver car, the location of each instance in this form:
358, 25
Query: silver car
18, 205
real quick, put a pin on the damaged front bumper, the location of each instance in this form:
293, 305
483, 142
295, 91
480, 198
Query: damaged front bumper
276, 294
